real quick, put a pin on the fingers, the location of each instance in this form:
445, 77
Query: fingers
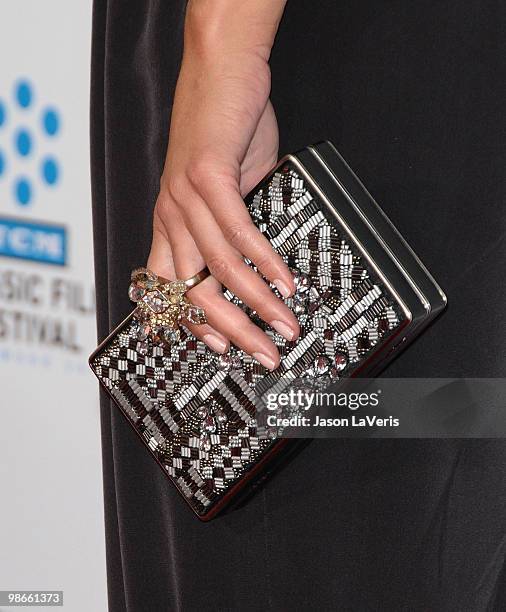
233, 323
223, 198
228, 267
161, 261
226, 320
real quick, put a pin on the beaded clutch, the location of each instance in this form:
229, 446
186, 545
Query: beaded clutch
361, 295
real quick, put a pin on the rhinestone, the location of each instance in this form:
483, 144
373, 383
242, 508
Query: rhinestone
209, 424
135, 293
177, 287
169, 334
340, 362
272, 434
143, 331
196, 315
202, 412
155, 301
299, 308
143, 315
173, 298
235, 362
205, 443
221, 417
144, 277
321, 365
142, 348
224, 362
302, 282
156, 331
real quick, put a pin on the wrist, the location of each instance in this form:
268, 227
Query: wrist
214, 28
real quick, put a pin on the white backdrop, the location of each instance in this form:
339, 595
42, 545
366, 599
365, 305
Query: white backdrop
51, 527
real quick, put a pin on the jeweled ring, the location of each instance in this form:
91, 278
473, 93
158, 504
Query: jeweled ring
162, 303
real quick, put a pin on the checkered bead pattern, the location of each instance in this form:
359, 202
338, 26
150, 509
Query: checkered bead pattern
195, 410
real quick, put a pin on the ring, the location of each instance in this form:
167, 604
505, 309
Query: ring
145, 276
197, 278
162, 303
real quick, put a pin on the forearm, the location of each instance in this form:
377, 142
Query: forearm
232, 27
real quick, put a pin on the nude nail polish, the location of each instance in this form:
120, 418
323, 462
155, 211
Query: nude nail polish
214, 343
282, 287
265, 360
283, 329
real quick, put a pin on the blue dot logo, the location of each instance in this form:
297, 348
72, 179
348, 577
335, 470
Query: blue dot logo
50, 171
23, 191
28, 182
24, 94
23, 142
51, 122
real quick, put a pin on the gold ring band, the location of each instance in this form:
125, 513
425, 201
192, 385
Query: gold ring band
197, 278
189, 283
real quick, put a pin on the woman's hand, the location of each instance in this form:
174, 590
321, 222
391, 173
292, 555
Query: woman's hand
223, 139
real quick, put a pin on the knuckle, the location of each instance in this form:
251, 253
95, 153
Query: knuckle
163, 207
201, 171
219, 267
264, 261
177, 188
205, 295
237, 234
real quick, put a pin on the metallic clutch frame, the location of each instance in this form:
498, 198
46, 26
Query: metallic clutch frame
379, 241
345, 200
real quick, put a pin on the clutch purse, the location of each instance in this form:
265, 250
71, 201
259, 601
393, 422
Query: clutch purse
361, 295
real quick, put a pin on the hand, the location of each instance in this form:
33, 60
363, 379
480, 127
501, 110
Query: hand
223, 140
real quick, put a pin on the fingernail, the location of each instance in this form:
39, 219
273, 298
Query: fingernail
265, 360
283, 288
283, 329
216, 344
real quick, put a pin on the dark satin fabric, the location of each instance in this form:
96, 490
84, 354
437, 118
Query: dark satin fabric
412, 93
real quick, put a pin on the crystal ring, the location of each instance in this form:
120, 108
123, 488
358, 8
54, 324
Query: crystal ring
162, 304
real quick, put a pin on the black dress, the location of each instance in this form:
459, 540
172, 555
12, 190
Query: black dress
412, 93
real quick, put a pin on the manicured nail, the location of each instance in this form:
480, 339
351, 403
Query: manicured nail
283, 288
283, 329
216, 344
265, 360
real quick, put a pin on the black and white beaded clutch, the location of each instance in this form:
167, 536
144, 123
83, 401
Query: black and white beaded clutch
361, 295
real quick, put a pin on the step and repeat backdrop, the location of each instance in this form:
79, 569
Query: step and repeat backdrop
51, 527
